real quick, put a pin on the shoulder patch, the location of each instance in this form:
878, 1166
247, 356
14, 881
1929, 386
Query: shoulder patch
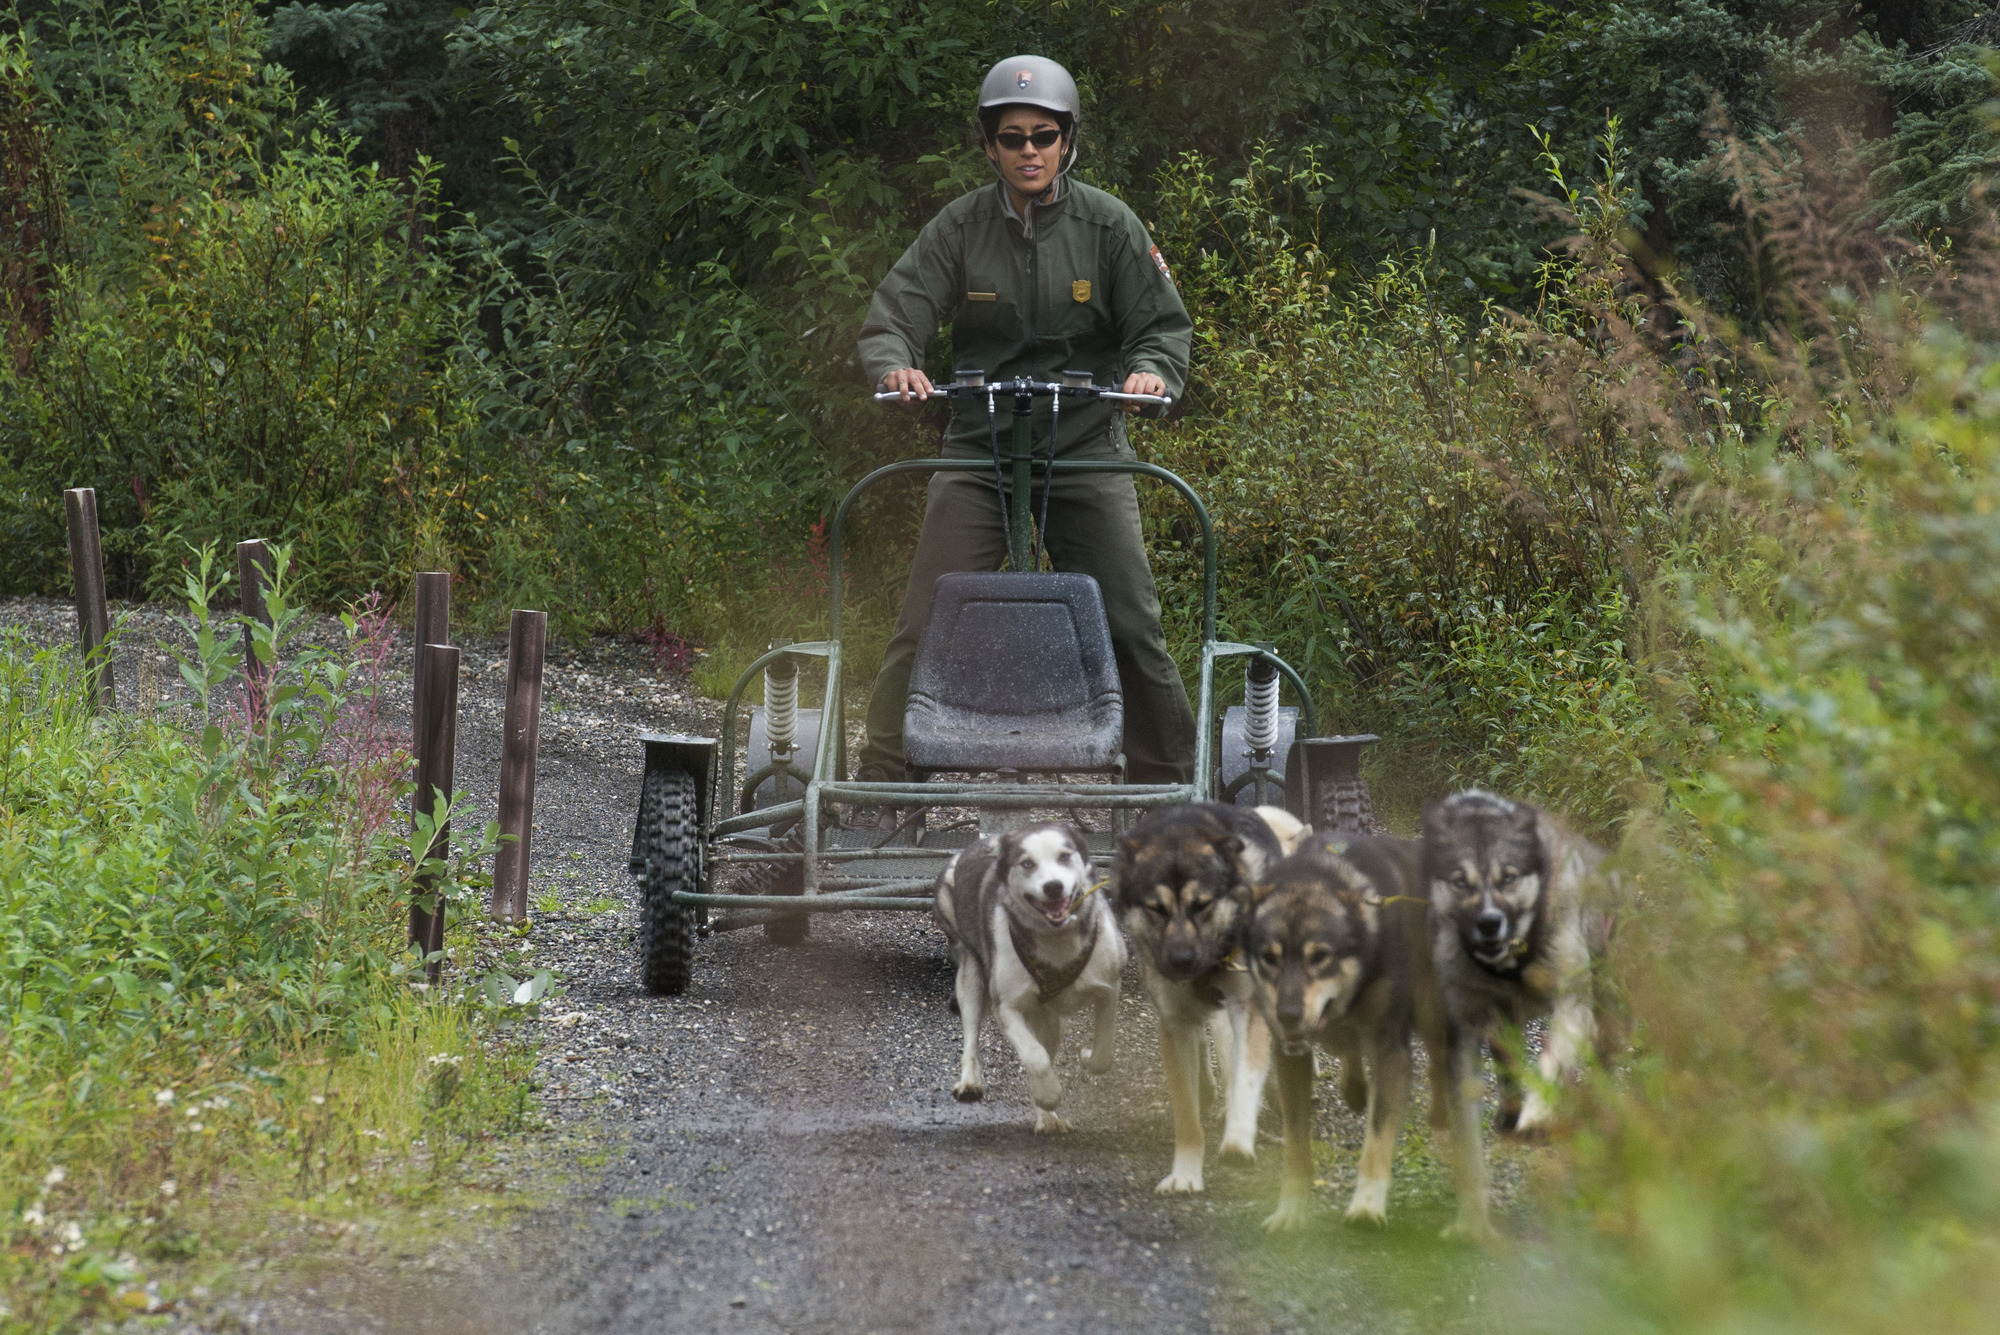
1161, 260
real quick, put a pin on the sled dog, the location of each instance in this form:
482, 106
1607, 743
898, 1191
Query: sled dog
1183, 882
1512, 943
1033, 943
1339, 944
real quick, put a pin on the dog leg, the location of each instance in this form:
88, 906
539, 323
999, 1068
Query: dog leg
1252, 1064
1048, 1028
970, 996
1388, 1101
1295, 1101
1508, 1077
1181, 1054
1353, 1075
1044, 1085
1104, 1032
1438, 1063
1571, 1033
1465, 1089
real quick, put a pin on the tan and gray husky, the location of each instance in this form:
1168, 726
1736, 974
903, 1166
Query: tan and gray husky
1512, 941
1183, 884
1033, 944
1339, 944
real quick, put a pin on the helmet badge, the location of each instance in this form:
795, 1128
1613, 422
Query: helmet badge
1022, 78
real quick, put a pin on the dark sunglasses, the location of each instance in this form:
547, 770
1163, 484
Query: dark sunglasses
1016, 140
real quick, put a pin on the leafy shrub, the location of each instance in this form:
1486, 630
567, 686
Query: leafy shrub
202, 968
1437, 517
245, 346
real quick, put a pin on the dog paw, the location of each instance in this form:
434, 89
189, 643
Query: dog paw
1471, 1228
1179, 1183
1293, 1213
1095, 1064
968, 1091
1367, 1214
1048, 1124
1238, 1150
1046, 1090
1370, 1203
1532, 1122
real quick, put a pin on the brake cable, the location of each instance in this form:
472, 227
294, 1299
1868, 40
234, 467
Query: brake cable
999, 477
1049, 478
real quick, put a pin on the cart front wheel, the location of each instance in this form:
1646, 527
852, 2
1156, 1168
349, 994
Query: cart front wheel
668, 843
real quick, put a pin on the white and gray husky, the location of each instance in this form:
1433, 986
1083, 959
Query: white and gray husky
1033, 944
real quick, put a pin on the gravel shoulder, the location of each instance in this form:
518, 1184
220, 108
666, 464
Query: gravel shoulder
778, 1150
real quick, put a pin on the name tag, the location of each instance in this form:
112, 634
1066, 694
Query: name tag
982, 296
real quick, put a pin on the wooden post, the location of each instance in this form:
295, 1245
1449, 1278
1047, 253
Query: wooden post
253, 574
436, 750
520, 738
93, 614
433, 603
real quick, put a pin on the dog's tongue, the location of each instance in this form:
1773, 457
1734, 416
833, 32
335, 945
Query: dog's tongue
1056, 912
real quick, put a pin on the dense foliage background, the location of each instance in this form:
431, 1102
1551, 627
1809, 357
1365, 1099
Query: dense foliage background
1598, 401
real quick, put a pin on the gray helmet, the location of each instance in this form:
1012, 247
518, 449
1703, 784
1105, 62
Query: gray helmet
1034, 81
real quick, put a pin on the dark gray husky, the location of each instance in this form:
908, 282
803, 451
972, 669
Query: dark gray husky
1512, 942
1183, 885
1339, 943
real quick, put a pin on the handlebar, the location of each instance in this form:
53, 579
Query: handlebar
1031, 388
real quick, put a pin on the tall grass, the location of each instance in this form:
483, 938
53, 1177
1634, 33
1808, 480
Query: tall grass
206, 993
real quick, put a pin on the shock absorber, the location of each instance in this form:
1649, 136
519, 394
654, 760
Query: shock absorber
781, 706
1260, 710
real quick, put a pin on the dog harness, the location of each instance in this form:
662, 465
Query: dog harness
1052, 983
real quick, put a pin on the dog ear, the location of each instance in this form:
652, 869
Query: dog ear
1007, 848
1079, 837
1568, 862
1261, 891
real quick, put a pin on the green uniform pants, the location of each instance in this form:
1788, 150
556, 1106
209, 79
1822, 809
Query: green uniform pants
1093, 529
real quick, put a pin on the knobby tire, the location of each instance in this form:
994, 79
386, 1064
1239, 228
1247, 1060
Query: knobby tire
669, 842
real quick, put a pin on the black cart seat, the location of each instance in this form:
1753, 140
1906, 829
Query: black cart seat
1015, 672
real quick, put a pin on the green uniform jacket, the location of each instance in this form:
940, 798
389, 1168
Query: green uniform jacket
1088, 291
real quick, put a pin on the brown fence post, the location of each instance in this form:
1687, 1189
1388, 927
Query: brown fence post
436, 750
521, 735
254, 573
93, 614
433, 607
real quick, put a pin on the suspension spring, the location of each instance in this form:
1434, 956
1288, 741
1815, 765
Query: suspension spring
1260, 709
781, 705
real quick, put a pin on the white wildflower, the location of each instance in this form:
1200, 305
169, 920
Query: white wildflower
164, 1097
446, 1059
54, 1176
169, 1187
34, 1218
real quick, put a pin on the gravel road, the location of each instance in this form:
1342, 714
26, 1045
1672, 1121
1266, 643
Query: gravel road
779, 1150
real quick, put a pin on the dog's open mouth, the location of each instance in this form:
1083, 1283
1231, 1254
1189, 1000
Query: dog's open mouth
1057, 911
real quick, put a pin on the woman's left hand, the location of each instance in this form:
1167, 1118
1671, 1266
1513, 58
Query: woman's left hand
1142, 382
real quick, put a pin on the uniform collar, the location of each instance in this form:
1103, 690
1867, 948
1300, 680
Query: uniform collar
1046, 199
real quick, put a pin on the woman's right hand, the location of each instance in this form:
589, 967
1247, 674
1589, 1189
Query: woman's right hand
909, 382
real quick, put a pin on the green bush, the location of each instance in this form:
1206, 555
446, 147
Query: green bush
205, 989
1435, 516
244, 344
